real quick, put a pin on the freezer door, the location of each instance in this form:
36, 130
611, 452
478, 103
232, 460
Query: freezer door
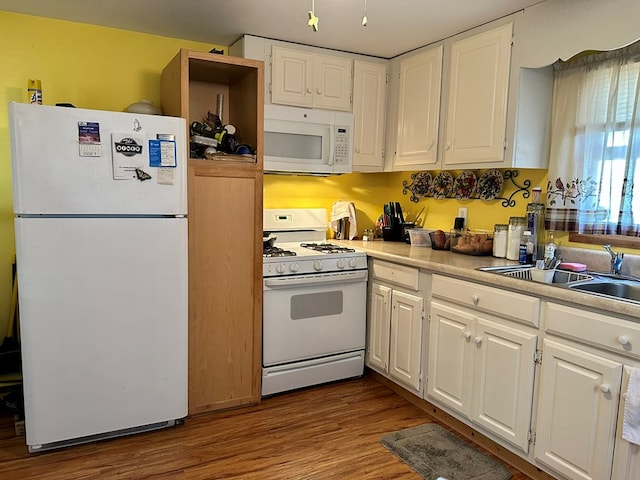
55, 170
103, 312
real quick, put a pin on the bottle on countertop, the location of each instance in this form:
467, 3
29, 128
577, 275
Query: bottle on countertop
527, 249
535, 221
550, 248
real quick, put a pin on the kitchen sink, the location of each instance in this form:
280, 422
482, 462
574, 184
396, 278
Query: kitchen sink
611, 287
601, 284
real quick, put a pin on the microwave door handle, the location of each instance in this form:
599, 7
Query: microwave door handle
332, 141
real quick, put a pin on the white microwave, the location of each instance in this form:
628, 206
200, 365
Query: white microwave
306, 141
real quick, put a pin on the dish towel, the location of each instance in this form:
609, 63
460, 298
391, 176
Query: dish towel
341, 210
631, 425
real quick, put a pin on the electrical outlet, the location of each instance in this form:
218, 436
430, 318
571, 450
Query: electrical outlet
462, 212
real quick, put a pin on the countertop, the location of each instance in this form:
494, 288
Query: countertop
465, 267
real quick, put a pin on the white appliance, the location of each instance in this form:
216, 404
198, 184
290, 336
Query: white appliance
314, 304
101, 242
302, 140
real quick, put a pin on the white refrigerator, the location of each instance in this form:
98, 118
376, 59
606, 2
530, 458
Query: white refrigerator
100, 206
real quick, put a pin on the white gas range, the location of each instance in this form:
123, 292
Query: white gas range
314, 307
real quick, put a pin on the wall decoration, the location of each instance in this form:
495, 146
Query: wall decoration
467, 186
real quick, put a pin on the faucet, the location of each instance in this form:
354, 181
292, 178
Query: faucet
616, 260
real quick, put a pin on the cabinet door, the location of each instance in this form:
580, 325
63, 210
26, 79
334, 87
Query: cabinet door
578, 404
378, 328
332, 82
369, 114
291, 77
450, 352
477, 102
418, 110
406, 338
626, 460
225, 290
503, 377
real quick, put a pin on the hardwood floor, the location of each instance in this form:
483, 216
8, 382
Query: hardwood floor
325, 432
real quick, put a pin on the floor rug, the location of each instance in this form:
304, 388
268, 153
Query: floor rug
434, 452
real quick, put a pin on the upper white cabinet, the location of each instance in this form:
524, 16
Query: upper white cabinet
418, 106
305, 79
369, 115
476, 111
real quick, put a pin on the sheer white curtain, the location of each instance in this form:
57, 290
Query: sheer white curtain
595, 144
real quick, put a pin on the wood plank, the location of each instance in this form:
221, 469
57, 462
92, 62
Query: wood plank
325, 432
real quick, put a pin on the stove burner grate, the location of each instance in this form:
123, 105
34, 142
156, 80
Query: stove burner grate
277, 252
327, 248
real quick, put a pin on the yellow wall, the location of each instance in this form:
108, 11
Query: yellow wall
370, 191
88, 66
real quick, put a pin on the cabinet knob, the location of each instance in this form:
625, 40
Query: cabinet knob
357, 150
430, 147
467, 336
319, 91
623, 340
309, 90
475, 298
448, 146
478, 340
604, 388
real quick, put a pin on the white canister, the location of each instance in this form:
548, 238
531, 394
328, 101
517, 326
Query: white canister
500, 232
514, 236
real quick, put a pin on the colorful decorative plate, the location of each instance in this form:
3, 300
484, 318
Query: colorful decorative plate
421, 184
442, 185
490, 184
464, 185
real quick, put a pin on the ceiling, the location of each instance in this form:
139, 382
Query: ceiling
394, 27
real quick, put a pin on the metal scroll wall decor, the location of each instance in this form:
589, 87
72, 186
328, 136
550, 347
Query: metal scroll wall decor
467, 186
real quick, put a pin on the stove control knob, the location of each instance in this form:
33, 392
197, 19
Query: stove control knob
353, 263
340, 263
294, 267
280, 268
317, 265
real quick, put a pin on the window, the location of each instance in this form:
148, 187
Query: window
595, 146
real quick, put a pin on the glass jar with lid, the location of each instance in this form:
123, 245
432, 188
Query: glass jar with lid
514, 236
500, 231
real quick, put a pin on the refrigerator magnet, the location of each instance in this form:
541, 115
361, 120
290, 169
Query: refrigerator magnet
89, 139
162, 153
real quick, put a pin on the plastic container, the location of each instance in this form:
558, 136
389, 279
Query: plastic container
472, 242
540, 275
420, 237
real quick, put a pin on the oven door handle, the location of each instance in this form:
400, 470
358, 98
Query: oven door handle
358, 276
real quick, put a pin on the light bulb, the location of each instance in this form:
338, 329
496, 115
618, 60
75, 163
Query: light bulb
364, 21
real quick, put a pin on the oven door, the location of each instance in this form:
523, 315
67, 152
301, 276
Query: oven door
311, 316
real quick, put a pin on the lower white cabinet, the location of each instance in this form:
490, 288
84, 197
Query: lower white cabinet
483, 370
587, 358
480, 365
394, 323
578, 405
626, 458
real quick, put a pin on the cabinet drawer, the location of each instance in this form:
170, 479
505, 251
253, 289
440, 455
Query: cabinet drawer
593, 328
518, 307
397, 274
